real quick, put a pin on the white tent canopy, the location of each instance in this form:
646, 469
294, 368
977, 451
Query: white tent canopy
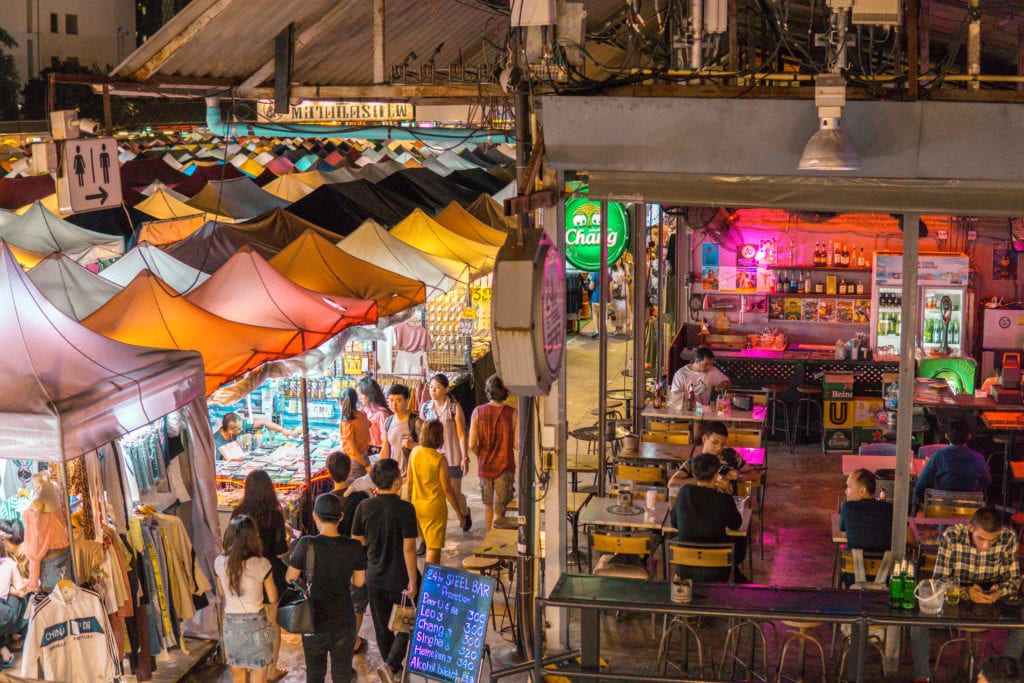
180, 276
40, 231
74, 290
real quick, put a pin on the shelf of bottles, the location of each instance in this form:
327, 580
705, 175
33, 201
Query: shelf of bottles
933, 326
890, 323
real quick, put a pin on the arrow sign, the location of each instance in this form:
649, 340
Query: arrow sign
90, 178
101, 195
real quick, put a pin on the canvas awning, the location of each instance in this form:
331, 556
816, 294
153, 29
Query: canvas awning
74, 290
315, 263
239, 198
486, 210
426, 234
288, 187
67, 390
376, 245
180, 276
462, 222
248, 290
150, 313
43, 232
427, 188
162, 205
170, 230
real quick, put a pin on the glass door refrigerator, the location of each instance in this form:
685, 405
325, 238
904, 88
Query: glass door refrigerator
942, 327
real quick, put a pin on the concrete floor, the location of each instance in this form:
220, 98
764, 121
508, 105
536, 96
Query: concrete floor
802, 490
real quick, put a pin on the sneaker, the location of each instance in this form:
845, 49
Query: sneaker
469, 522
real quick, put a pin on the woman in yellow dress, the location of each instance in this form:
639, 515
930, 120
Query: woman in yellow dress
429, 488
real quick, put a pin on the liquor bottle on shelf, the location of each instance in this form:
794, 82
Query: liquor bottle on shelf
795, 283
807, 282
846, 256
838, 258
861, 261
860, 288
779, 284
819, 286
817, 254
842, 286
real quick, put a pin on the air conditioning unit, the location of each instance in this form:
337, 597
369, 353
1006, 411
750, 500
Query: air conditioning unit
877, 12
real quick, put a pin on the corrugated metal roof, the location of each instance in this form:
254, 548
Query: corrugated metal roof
233, 39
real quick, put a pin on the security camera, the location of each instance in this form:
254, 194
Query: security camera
88, 126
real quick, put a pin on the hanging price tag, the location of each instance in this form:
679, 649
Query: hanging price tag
352, 365
466, 328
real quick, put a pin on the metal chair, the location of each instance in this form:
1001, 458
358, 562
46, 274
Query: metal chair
968, 638
809, 406
777, 408
613, 548
870, 573
952, 504
691, 555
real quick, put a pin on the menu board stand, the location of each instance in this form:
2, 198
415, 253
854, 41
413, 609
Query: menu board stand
448, 637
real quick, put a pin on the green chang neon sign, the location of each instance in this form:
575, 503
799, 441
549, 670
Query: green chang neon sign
583, 233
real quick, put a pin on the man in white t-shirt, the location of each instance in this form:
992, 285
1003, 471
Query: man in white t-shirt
700, 374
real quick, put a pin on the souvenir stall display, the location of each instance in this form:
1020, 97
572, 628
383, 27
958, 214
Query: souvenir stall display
450, 320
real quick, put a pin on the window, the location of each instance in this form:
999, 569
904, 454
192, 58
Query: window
71, 24
54, 23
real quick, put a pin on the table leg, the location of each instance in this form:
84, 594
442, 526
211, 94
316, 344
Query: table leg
860, 631
590, 639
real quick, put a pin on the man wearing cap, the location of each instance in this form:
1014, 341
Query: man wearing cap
386, 525
338, 562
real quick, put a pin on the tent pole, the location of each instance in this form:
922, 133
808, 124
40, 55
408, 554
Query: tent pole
305, 442
67, 519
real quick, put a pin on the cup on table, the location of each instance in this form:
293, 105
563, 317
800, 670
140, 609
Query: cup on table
651, 497
673, 492
952, 590
625, 498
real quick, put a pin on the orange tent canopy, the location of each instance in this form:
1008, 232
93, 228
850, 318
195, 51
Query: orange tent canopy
148, 312
248, 290
170, 230
462, 222
315, 263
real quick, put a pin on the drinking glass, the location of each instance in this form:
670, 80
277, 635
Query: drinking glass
952, 590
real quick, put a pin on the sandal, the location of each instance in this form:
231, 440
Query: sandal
361, 647
277, 675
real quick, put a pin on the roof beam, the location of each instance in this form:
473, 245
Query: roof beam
452, 92
182, 39
308, 35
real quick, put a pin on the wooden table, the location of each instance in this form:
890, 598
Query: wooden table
743, 418
597, 513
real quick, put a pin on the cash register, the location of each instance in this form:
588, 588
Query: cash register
1008, 389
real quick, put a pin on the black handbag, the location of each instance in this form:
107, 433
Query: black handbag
294, 609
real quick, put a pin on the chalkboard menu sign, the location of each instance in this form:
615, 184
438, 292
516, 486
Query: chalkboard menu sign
448, 637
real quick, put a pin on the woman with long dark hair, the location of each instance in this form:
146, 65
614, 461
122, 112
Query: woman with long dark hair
244, 576
260, 504
375, 407
355, 433
447, 410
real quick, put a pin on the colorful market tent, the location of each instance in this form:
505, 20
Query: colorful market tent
170, 230
248, 290
239, 198
67, 391
426, 187
491, 213
148, 312
74, 290
25, 258
460, 221
426, 234
41, 231
276, 229
315, 263
162, 205
342, 207
208, 248
373, 243
288, 187
156, 185
479, 180
7, 216
313, 179
181, 277
15, 192
141, 171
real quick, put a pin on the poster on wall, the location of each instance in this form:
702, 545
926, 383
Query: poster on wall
709, 255
1004, 262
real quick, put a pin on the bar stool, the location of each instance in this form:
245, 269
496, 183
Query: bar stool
490, 566
802, 636
809, 407
775, 405
968, 651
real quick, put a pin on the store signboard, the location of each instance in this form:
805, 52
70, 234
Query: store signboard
931, 270
322, 111
583, 233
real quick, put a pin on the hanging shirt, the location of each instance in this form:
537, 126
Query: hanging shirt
71, 640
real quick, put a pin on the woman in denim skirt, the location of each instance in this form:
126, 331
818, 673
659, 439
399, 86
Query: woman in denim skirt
244, 575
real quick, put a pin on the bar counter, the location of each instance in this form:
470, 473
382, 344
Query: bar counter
753, 368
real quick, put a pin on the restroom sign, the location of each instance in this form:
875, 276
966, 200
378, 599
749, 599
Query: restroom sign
90, 179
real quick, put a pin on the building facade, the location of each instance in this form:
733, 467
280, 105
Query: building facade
100, 32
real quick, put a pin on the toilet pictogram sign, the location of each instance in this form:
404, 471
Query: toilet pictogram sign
90, 178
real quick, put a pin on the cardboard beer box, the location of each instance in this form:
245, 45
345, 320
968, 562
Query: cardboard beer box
838, 386
838, 440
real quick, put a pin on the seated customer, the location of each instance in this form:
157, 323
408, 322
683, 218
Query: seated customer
954, 468
866, 521
982, 554
713, 443
701, 375
1000, 670
702, 514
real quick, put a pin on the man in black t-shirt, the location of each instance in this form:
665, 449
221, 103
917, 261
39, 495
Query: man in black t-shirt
386, 525
339, 466
338, 562
702, 514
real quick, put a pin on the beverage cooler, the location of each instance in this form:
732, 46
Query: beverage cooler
942, 281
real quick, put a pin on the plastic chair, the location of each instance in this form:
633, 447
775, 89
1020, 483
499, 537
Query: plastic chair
691, 555
877, 448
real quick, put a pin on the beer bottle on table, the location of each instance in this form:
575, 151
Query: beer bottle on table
909, 584
896, 585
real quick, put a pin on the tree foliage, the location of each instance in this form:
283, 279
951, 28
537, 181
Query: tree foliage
9, 80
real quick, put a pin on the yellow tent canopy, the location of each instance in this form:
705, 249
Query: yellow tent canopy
426, 234
288, 187
315, 263
458, 220
149, 313
25, 258
161, 205
170, 230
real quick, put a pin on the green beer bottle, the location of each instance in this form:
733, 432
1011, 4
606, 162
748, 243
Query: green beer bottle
909, 584
896, 585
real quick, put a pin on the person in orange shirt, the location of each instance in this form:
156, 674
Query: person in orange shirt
355, 434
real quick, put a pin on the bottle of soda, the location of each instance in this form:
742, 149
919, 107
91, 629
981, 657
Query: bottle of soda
909, 584
896, 585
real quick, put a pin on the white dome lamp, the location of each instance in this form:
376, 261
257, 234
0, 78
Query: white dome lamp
830, 148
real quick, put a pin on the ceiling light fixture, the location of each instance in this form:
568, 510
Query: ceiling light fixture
830, 148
